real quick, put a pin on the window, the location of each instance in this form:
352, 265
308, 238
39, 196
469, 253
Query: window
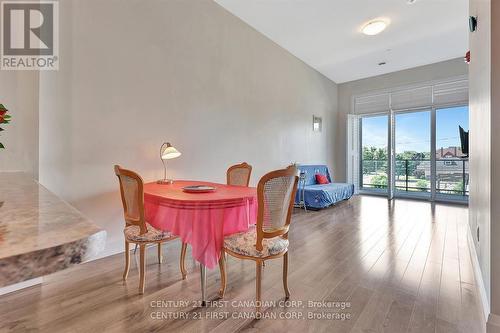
409, 142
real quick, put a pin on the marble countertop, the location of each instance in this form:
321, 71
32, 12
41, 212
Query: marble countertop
40, 233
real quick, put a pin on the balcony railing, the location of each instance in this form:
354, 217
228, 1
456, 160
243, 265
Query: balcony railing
452, 175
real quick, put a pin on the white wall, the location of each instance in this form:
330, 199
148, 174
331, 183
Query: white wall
438, 71
495, 165
485, 148
484, 210
480, 136
19, 94
134, 74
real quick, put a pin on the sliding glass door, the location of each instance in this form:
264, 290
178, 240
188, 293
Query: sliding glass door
412, 148
374, 158
427, 158
452, 164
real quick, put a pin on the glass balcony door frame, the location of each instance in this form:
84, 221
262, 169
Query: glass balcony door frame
375, 191
391, 165
432, 123
439, 196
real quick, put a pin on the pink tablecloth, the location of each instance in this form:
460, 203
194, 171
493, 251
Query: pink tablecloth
201, 219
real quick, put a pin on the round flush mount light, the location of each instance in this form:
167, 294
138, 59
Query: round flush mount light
374, 27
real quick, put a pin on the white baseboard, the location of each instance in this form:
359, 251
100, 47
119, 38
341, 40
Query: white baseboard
20, 285
485, 304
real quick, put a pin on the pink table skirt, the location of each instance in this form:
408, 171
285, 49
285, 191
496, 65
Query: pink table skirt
201, 220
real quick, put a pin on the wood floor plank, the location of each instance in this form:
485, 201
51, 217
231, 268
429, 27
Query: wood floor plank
384, 304
401, 266
450, 294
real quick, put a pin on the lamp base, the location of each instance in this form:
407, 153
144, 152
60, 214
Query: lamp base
165, 181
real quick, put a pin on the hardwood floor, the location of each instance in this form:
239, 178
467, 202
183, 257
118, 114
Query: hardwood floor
390, 267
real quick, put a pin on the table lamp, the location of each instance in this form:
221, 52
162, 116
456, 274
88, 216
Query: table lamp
167, 152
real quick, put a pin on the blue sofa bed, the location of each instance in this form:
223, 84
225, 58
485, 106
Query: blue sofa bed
317, 196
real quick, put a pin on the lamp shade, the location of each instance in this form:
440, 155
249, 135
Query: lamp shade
168, 152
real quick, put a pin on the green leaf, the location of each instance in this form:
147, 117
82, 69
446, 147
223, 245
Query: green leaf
2, 107
7, 117
2, 146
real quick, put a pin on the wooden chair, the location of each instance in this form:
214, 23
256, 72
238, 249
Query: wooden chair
239, 174
269, 238
137, 230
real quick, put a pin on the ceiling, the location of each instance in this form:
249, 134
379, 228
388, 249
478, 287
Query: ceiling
326, 34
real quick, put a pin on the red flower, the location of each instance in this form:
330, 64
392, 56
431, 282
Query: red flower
4, 119
3, 115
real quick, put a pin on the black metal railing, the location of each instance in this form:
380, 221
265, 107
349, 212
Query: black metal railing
452, 175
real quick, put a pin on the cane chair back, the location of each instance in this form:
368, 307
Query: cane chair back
239, 174
132, 194
276, 195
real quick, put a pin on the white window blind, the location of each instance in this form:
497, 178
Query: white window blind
451, 93
430, 95
372, 104
412, 98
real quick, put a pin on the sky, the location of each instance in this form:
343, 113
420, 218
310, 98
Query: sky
413, 130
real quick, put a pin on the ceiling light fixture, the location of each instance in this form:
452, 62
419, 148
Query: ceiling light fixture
374, 27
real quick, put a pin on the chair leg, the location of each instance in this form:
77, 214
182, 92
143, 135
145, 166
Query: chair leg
258, 284
285, 276
142, 263
127, 260
135, 248
222, 268
160, 257
182, 260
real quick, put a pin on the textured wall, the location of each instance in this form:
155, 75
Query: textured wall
19, 94
134, 74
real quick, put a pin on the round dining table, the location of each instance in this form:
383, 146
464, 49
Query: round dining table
201, 219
